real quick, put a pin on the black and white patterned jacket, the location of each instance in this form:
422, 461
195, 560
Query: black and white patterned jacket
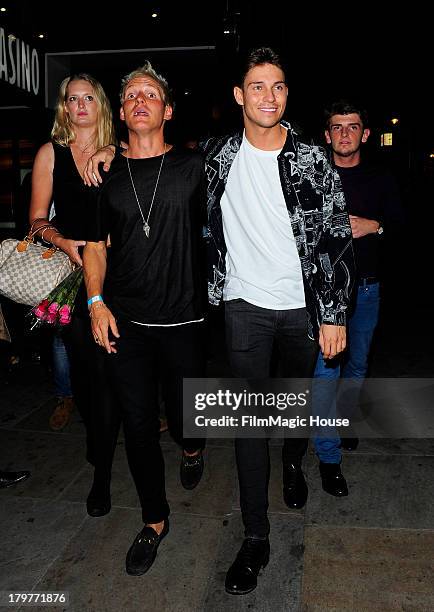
316, 208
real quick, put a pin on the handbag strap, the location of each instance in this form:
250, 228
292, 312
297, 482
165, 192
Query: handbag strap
29, 239
32, 233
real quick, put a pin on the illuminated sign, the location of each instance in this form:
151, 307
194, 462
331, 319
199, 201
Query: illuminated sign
19, 63
386, 139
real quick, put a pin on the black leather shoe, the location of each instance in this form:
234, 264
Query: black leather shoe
349, 444
333, 480
294, 486
98, 503
143, 550
242, 575
7, 479
191, 470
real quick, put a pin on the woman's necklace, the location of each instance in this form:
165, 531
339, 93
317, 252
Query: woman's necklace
146, 226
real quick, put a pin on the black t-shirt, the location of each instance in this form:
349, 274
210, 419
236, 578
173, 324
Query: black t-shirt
155, 280
371, 192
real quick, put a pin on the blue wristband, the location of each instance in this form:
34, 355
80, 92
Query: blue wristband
93, 299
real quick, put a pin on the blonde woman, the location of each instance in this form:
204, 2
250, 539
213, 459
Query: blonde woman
82, 124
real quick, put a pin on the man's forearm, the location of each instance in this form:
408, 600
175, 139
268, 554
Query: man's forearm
94, 265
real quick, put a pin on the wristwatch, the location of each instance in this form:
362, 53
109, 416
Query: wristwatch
380, 230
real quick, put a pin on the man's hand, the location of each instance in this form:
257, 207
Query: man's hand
102, 321
91, 175
332, 340
362, 227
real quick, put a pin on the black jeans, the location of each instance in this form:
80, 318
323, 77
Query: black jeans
93, 394
251, 334
144, 356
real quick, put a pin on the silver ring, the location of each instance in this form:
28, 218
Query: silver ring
94, 176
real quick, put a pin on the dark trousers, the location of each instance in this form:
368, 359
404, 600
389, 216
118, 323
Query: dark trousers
94, 396
251, 334
144, 356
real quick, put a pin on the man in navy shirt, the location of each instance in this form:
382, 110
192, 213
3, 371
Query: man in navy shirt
374, 206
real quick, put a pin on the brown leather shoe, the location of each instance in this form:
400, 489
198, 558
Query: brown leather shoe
61, 414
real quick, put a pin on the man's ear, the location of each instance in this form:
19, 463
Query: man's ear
365, 134
122, 114
327, 137
168, 112
238, 95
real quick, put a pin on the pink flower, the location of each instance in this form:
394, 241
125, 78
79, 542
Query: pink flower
64, 315
41, 309
53, 308
51, 317
57, 307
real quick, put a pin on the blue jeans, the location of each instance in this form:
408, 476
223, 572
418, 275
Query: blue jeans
353, 364
61, 377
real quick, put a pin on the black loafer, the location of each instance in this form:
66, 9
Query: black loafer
98, 503
7, 479
295, 489
349, 444
333, 481
191, 470
143, 550
242, 576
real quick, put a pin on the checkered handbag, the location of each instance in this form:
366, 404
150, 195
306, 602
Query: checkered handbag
29, 271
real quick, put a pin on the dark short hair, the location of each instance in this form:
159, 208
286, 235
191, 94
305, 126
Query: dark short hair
257, 57
345, 107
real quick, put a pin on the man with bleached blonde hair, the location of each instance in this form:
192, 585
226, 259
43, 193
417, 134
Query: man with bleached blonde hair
150, 319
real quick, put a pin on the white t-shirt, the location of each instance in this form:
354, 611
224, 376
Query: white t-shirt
262, 262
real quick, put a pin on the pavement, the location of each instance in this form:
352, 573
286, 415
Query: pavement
371, 551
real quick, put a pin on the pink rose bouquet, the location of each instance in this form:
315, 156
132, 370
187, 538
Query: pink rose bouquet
56, 309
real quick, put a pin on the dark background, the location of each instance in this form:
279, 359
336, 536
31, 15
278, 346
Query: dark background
329, 53
384, 62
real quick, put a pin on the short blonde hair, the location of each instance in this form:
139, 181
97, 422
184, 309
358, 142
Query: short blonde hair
148, 70
63, 131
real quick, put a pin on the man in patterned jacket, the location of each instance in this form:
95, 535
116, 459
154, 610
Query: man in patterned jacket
282, 261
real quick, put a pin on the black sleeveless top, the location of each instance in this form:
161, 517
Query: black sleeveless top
73, 201
74, 204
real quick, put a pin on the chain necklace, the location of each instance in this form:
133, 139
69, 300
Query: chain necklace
146, 226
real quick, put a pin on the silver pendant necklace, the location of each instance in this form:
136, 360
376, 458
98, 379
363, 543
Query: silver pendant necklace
146, 226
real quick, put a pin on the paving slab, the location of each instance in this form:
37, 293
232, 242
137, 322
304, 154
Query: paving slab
387, 446
389, 491
38, 419
53, 461
360, 570
19, 398
34, 534
92, 567
279, 584
212, 497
